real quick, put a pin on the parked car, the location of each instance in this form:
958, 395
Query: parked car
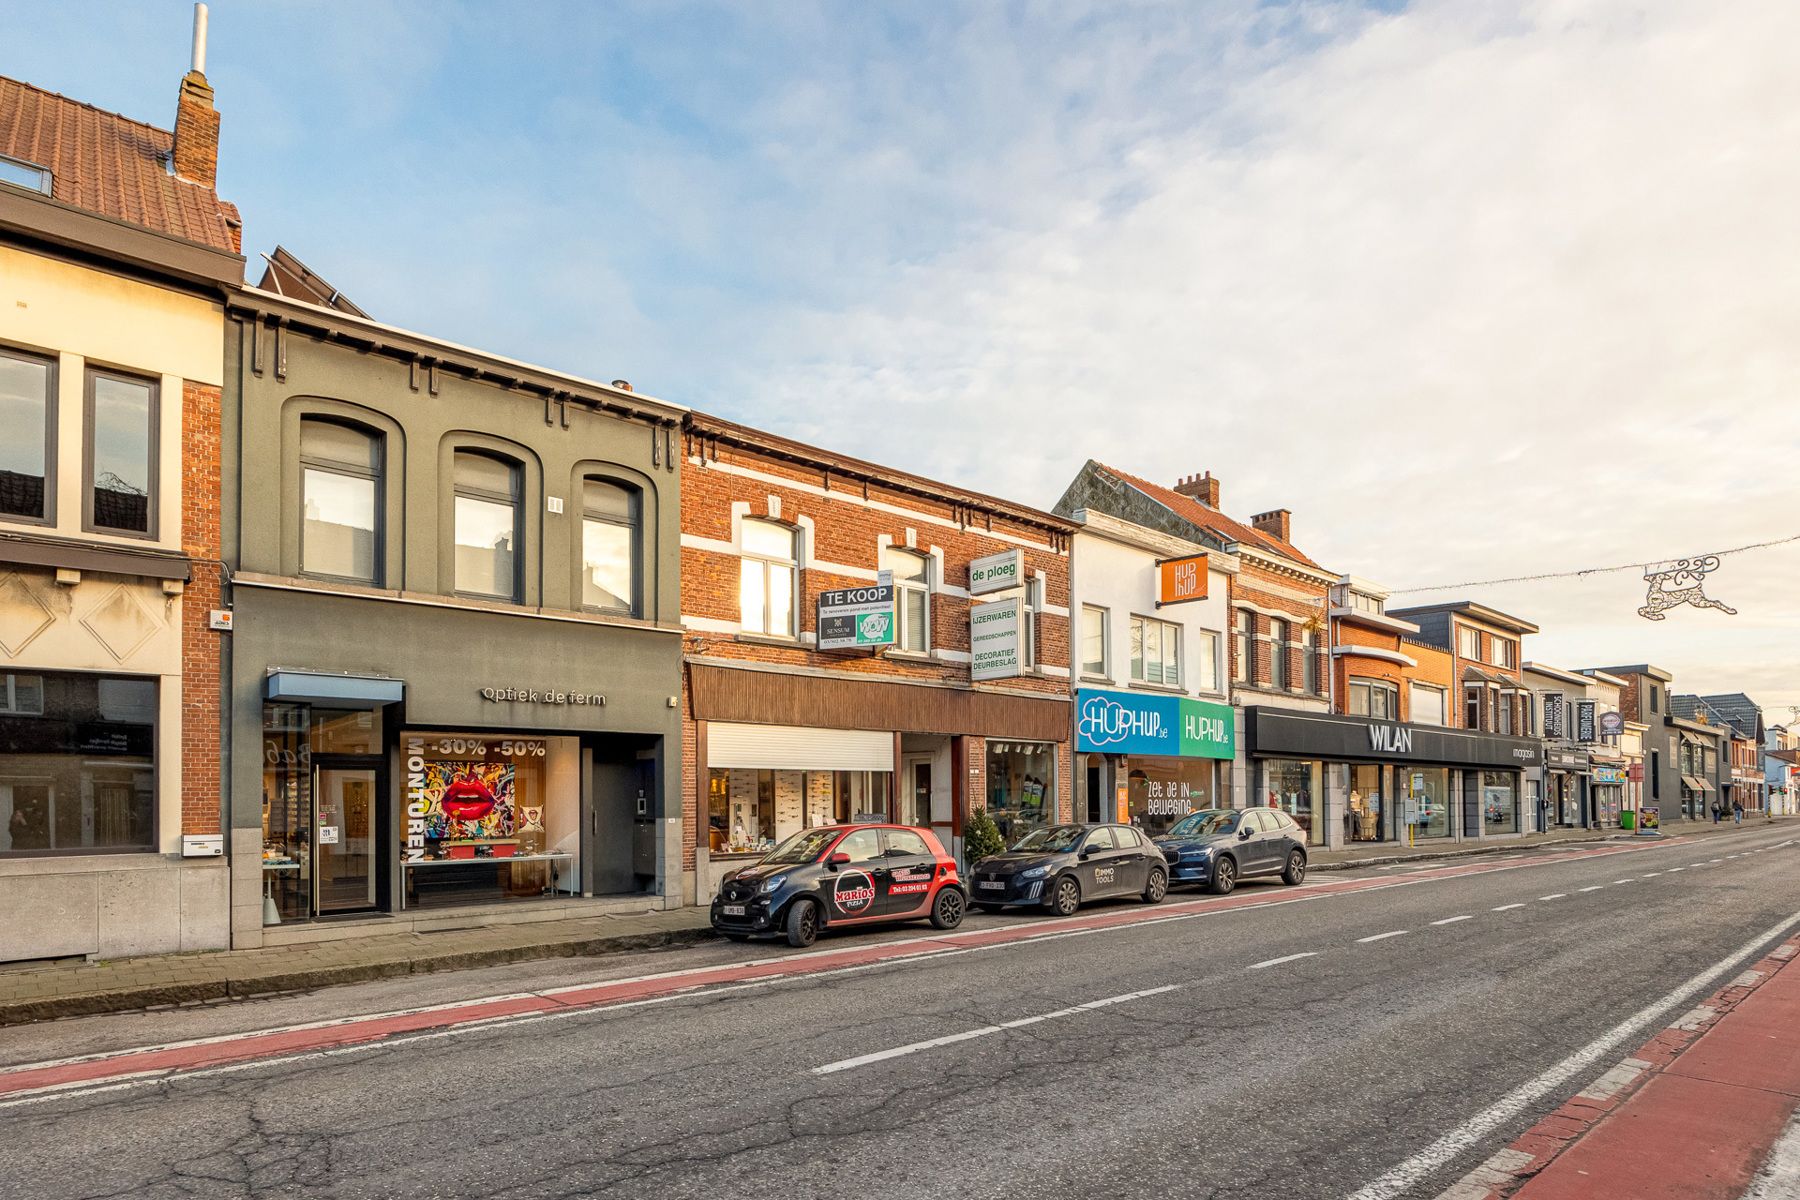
1219, 846
1060, 866
841, 875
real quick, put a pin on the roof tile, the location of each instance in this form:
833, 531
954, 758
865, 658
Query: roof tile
1191, 510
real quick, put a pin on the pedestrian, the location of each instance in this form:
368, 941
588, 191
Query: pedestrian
1737, 812
1715, 812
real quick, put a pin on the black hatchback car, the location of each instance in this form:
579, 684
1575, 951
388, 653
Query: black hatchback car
1219, 846
1060, 866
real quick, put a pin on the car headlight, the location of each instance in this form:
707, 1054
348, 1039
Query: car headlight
1034, 873
771, 883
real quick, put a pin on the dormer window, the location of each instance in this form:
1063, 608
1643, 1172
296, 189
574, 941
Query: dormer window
20, 173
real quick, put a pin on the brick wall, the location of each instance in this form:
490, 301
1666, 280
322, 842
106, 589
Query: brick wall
1433, 667
200, 684
1262, 590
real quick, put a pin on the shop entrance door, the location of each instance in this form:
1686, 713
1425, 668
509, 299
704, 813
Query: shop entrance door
346, 796
915, 799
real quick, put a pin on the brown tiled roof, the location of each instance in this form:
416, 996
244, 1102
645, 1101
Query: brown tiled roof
1194, 512
110, 165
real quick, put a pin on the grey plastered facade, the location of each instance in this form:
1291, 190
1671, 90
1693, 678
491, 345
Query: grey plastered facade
538, 666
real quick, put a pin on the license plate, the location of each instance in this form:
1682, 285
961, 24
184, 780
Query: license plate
732, 910
989, 885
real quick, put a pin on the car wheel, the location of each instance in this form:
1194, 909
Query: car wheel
1296, 869
1224, 877
1158, 887
947, 913
1065, 898
803, 923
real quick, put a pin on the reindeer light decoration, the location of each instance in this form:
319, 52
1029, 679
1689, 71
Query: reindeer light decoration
1677, 582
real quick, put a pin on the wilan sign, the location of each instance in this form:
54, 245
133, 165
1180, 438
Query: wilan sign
996, 572
1128, 723
1390, 739
416, 804
1179, 580
995, 639
856, 617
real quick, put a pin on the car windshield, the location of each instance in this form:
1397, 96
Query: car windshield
1056, 839
803, 847
1206, 821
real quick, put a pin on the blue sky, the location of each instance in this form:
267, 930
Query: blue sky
1475, 289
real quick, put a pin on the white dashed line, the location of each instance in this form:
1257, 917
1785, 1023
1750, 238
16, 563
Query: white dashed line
1672, 870
1617, 881
1650, 874
1379, 937
1506, 907
1276, 962
1454, 920
1597, 887
1554, 896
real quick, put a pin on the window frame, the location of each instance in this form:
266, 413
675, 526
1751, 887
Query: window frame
1141, 624
1370, 685
1105, 615
52, 381
1503, 652
792, 564
46, 183
635, 524
1207, 682
1031, 610
1443, 697
902, 588
1280, 679
1463, 631
517, 500
1472, 693
1309, 663
377, 476
1243, 646
152, 513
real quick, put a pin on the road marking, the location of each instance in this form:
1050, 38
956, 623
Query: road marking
1506, 907
1554, 896
863, 1060
1619, 881
1276, 962
1471, 1133
1649, 874
1379, 937
1597, 887
1780, 1175
1672, 870
1454, 920
1715, 860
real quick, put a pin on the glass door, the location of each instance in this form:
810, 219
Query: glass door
344, 837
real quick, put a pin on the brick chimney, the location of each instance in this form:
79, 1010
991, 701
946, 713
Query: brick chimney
1275, 524
1203, 488
196, 151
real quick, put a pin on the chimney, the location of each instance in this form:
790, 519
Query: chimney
1203, 488
1275, 524
196, 151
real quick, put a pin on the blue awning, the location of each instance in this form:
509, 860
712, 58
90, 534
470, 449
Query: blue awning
341, 691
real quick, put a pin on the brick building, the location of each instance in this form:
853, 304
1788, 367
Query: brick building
896, 710
115, 254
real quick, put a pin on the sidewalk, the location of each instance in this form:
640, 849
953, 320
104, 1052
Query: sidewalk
120, 985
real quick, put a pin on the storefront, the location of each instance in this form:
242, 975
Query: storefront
1568, 781
1609, 793
1151, 759
1351, 779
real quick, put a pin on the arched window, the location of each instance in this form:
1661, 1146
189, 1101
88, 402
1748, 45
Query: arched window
487, 525
912, 597
340, 501
768, 578
609, 546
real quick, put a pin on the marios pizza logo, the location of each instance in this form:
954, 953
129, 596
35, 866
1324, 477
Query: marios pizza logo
854, 892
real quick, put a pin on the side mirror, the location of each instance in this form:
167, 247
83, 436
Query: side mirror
839, 859
1086, 852
1243, 831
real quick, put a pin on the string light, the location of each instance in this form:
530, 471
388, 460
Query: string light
1632, 566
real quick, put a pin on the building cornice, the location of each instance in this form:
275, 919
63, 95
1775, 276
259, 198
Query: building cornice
1151, 541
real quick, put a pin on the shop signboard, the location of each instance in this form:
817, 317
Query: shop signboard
1584, 721
1609, 774
854, 618
997, 639
1649, 820
996, 572
1612, 724
1174, 726
1553, 716
1179, 580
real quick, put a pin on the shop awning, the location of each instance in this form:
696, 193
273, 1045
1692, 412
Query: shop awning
1696, 784
798, 748
341, 691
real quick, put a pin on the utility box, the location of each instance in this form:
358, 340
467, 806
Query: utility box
202, 845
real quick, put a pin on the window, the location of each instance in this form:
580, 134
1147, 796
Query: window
1655, 700
862, 846
1242, 645
1309, 662
1503, 713
1366, 603
1505, 653
1093, 640
1527, 715
487, 525
1655, 773
89, 781
1128, 839
610, 515
1099, 839
1155, 652
1472, 707
906, 843
768, 578
1206, 649
1034, 609
1278, 662
120, 453
912, 597
340, 501
28, 414
1468, 642
23, 174
1375, 698
1428, 705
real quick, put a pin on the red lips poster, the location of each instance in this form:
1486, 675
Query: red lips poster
468, 800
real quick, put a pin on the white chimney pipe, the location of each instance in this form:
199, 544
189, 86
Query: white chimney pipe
199, 39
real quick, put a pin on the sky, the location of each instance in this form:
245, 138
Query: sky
1476, 289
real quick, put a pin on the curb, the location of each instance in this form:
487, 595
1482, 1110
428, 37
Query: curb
1468, 852
209, 991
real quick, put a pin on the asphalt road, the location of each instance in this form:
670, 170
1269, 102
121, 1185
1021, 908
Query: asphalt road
1211, 1070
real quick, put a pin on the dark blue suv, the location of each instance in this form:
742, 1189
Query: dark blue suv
1219, 846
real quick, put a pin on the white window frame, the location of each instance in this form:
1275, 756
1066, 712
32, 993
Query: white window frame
1207, 681
1443, 703
1369, 686
1468, 631
1505, 652
1105, 614
1243, 646
910, 587
1033, 608
770, 565
1140, 664
1471, 690
9, 694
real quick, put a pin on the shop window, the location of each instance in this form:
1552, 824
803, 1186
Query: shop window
611, 516
27, 453
912, 597
487, 525
1309, 660
768, 578
1375, 698
1021, 786
340, 501
1363, 814
1243, 646
79, 774
1278, 659
120, 453
1206, 660
1161, 791
1155, 652
1292, 786
1500, 801
1425, 800
1468, 643
750, 811
1428, 705
1093, 640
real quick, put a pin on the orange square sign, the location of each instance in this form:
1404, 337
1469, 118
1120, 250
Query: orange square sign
1181, 579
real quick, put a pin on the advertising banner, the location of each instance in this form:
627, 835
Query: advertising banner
1554, 726
997, 639
856, 617
1584, 721
1129, 723
996, 572
1179, 580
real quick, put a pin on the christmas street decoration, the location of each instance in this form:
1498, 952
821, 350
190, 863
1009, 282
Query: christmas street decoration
1677, 582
